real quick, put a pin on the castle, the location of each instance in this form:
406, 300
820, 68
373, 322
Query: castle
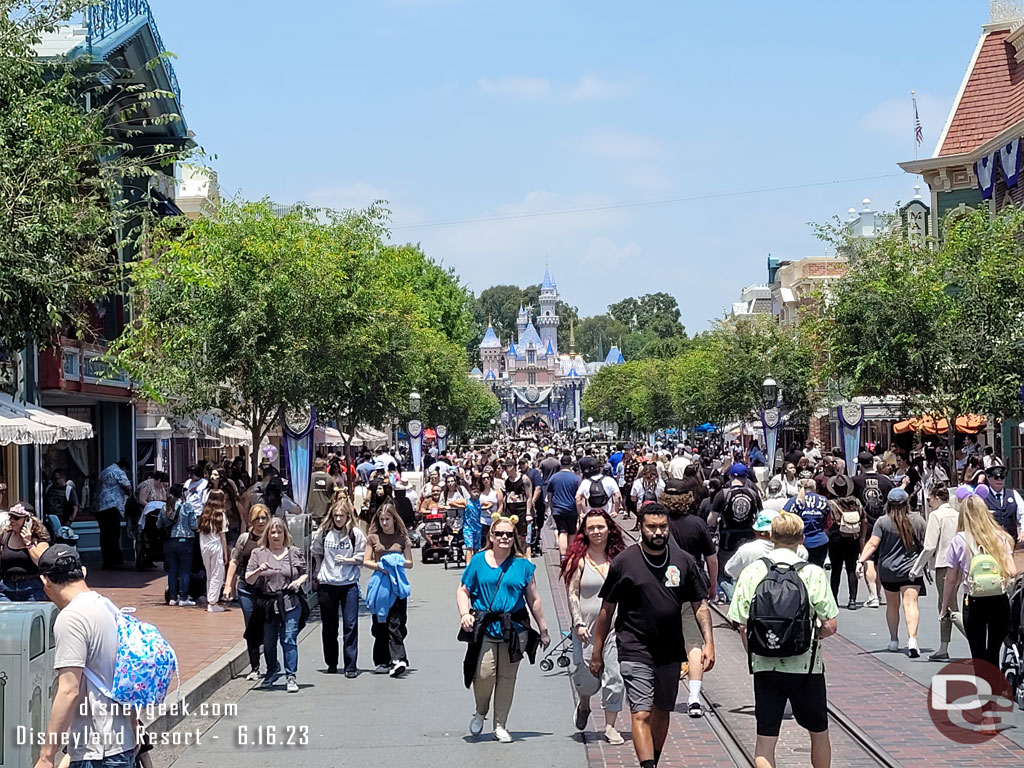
539, 387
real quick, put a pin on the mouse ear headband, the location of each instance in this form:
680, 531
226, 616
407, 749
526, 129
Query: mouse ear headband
497, 517
981, 491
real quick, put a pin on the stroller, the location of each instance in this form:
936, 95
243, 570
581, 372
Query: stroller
1013, 651
149, 539
432, 545
452, 539
564, 650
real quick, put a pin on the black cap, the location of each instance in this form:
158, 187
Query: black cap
589, 466
566, 460
674, 486
998, 472
59, 558
865, 457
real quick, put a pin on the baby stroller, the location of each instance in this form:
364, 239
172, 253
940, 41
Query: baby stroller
1013, 652
149, 539
452, 539
432, 545
564, 649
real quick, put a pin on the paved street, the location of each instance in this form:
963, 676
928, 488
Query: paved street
420, 720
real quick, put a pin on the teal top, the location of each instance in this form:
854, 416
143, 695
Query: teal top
482, 581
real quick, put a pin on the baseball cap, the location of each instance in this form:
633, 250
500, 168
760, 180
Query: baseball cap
588, 466
764, 521
674, 486
897, 496
865, 457
738, 469
21, 509
775, 484
60, 558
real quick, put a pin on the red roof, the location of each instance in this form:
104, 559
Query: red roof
993, 100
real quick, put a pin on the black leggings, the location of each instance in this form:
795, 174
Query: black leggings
843, 551
986, 622
816, 555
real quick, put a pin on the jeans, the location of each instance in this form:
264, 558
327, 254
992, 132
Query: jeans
843, 552
22, 591
109, 521
286, 631
122, 760
986, 622
245, 603
339, 600
178, 556
389, 635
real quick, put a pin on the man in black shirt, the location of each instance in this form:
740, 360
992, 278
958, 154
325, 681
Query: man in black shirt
647, 587
872, 489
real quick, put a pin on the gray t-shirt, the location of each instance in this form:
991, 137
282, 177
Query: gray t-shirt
86, 637
894, 561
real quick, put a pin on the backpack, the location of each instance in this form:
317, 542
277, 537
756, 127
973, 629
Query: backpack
849, 522
874, 503
984, 578
739, 508
779, 623
145, 663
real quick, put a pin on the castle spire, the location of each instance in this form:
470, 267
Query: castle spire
572, 338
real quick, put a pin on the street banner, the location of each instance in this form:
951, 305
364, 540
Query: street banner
442, 437
851, 416
771, 418
414, 429
298, 426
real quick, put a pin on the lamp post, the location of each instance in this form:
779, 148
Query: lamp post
492, 429
414, 431
414, 402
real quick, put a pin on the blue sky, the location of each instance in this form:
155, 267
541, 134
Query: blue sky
465, 109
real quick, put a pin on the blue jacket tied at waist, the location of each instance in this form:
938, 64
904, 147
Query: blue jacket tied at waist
387, 585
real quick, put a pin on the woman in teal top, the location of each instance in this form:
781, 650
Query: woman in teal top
497, 588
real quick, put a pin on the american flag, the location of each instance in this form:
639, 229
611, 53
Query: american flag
918, 131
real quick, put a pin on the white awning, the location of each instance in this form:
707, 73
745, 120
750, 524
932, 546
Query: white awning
27, 424
214, 426
327, 435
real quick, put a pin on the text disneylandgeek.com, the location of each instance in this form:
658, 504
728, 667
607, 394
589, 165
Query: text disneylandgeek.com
242, 735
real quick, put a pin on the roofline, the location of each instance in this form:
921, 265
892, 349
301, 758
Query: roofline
963, 84
965, 158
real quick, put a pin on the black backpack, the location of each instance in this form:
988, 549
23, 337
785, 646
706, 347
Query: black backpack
740, 508
874, 501
779, 623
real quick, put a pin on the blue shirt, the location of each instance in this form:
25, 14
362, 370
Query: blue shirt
487, 595
112, 493
813, 511
563, 485
614, 460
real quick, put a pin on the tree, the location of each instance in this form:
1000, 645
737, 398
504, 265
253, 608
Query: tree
63, 174
939, 327
653, 313
597, 334
498, 304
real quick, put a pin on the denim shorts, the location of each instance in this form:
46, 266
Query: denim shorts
122, 760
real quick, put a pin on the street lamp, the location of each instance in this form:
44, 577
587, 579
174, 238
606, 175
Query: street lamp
771, 392
414, 402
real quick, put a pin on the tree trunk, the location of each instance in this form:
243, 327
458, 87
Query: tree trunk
348, 461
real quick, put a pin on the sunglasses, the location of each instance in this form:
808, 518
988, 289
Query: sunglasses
260, 519
503, 534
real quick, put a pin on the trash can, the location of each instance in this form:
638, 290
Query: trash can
28, 681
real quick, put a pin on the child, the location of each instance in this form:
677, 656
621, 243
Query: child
214, 547
471, 519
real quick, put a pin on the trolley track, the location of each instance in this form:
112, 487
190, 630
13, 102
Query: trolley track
740, 747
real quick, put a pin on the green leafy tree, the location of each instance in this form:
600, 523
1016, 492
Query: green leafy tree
66, 180
597, 334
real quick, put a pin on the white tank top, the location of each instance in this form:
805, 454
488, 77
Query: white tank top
485, 514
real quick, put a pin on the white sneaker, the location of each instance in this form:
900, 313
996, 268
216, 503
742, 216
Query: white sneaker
381, 669
187, 602
292, 686
253, 676
894, 645
215, 608
398, 669
501, 735
476, 724
913, 649
612, 736
871, 602
172, 601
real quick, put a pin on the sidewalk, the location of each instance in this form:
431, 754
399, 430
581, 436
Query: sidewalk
199, 638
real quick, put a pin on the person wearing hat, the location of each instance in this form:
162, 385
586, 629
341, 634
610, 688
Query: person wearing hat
898, 537
86, 639
872, 489
733, 510
593, 477
562, 487
22, 542
584, 571
758, 548
1006, 504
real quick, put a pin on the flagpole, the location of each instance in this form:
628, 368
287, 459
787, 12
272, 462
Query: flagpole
913, 103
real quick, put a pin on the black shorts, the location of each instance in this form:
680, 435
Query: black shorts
895, 586
806, 693
566, 522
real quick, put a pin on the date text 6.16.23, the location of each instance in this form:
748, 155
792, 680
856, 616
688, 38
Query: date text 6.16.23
272, 736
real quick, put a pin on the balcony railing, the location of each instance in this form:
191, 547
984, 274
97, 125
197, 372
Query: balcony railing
102, 21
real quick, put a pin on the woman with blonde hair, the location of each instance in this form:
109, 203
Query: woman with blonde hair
247, 543
497, 587
898, 537
337, 553
981, 554
213, 546
277, 570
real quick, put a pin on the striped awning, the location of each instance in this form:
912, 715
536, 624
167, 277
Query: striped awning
27, 424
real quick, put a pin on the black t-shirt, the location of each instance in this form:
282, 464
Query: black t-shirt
872, 489
692, 535
649, 619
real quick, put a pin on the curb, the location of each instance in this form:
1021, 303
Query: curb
209, 680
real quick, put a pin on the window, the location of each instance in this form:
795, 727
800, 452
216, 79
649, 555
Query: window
531, 357
532, 378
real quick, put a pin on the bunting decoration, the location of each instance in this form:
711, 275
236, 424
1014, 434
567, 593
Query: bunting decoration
770, 420
442, 437
1010, 158
985, 169
851, 416
298, 426
414, 429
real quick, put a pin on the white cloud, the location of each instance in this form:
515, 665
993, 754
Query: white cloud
590, 88
613, 144
587, 88
895, 118
531, 88
603, 253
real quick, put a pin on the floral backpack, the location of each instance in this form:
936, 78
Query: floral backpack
145, 665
